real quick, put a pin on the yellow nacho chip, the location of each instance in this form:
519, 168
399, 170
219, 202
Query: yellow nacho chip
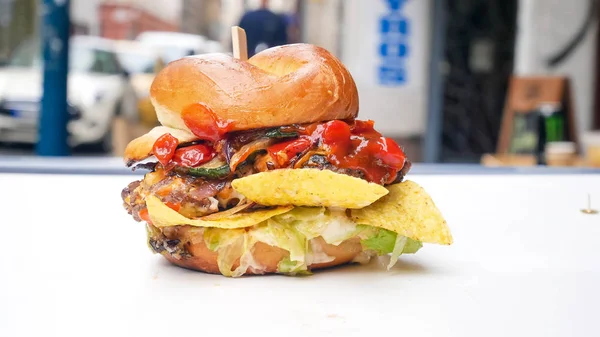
163, 216
308, 187
407, 210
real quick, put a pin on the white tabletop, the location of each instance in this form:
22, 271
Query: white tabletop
526, 262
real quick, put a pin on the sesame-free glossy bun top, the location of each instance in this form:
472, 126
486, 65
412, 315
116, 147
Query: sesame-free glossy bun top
297, 83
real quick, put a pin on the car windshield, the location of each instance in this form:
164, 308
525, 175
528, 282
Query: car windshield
25, 55
137, 63
82, 58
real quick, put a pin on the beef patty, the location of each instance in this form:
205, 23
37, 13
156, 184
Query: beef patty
195, 196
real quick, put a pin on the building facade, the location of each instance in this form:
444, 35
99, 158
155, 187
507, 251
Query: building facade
125, 22
202, 17
17, 23
124, 19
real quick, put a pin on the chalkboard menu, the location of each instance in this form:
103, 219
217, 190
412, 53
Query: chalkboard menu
538, 110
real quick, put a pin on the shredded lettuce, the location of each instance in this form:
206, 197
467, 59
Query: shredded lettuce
230, 245
293, 232
282, 235
287, 266
228, 254
215, 238
381, 241
339, 228
285, 236
412, 246
310, 221
397, 251
385, 242
333, 226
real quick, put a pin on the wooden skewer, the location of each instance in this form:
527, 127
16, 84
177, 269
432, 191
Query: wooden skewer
240, 46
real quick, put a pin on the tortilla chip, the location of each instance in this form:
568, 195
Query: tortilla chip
407, 210
308, 187
162, 215
227, 213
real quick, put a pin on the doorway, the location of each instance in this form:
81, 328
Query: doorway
478, 62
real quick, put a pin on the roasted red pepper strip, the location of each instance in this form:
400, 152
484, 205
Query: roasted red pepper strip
352, 145
192, 156
285, 151
390, 153
174, 206
143, 214
336, 134
360, 147
204, 123
164, 148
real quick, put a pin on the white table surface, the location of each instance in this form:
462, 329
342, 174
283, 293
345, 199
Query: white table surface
526, 262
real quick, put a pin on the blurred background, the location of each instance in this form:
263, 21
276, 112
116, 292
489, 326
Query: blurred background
454, 81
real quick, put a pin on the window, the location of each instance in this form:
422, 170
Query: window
136, 63
25, 55
85, 59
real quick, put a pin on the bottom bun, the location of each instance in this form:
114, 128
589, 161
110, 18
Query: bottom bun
195, 255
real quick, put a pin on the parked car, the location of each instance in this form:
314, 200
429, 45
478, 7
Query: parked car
163, 47
175, 45
142, 62
98, 90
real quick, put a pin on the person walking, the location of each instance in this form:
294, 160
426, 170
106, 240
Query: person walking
264, 29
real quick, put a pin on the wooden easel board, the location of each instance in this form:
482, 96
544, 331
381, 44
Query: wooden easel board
525, 94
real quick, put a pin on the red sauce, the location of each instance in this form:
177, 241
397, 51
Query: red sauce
166, 152
378, 157
283, 152
192, 156
204, 123
163, 192
174, 206
143, 214
164, 148
357, 146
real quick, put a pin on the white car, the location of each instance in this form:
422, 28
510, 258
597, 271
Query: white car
98, 90
175, 45
140, 61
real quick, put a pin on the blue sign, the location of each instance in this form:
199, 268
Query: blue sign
394, 31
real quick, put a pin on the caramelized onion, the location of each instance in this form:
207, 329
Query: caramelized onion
247, 150
205, 190
300, 162
227, 213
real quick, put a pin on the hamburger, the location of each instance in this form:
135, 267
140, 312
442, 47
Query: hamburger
262, 166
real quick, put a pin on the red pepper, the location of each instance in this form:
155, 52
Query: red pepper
204, 123
194, 155
336, 134
365, 129
390, 153
143, 214
164, 148
285, 151
174, 206
359, 146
